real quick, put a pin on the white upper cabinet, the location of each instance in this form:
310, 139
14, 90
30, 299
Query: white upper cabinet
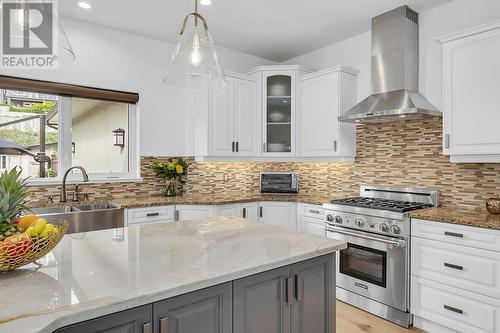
471, 74
322, 97
221, 118
233, 119
278, 113
246, 118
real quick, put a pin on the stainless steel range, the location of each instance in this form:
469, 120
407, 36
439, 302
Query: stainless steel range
373, 271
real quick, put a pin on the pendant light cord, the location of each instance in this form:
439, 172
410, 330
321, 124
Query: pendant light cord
196, 12
197, 17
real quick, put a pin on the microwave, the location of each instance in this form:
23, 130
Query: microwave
279, 182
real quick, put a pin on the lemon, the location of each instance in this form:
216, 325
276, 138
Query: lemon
39, 226
48, 229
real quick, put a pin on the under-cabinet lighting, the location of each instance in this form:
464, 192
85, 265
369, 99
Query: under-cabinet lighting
84, 5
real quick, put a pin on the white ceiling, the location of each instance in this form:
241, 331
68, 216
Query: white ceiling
277, 30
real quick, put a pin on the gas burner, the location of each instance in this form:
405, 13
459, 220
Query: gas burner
385, 204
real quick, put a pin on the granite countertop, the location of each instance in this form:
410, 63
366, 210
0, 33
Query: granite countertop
210, 199
223, 199
475, 218
96, 273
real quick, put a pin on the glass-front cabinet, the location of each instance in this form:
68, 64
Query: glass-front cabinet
278, 114
279, 119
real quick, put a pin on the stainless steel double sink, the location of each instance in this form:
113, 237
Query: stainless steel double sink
87, 217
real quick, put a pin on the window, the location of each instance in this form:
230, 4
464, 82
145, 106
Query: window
25, 131
93, 123
77, 131
3, 162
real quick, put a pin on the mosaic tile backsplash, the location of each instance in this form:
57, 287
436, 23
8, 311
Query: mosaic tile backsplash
396, 154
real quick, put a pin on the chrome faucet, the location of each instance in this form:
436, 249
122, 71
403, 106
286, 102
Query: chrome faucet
63, 187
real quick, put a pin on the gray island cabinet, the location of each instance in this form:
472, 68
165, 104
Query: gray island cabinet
216, 275
297, 298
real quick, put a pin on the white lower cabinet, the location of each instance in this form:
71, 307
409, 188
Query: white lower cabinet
463, 267
192, 212
310, 219
454, 308
153, 214
227, 210
246, 210
250, 211
282, 214
455, 278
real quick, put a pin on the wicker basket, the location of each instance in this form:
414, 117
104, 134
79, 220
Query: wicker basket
36, 250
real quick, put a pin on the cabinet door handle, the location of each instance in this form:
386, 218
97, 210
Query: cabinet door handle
176, 215
314, 211
452, 309
298, 287
260, 212
289, 291
458, 267
264, 147
335, 145
447, 141
164, 325
152, 214
244, 213
453, 234
237, 146
146, 328
232, 143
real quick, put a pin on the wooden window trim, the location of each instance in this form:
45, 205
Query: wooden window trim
64, 89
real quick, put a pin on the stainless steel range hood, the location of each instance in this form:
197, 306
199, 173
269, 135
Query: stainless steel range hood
394, 72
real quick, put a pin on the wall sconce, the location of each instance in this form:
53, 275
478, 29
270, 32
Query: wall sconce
119, 137
73, 148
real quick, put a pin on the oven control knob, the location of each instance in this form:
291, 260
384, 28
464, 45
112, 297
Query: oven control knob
395, 229
338, 219
359, 223
383, 227
372, 225
329, 218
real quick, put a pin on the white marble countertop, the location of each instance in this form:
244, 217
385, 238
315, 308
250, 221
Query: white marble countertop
93, 274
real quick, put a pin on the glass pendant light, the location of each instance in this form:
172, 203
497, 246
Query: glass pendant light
22, 19
66, 53
195, 64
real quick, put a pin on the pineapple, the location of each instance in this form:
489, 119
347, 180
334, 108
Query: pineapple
13, 199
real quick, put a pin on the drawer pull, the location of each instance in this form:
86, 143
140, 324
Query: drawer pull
298, 288
453, 234
452, 309
146, 328
288, 283
460, 268
164, 325
152, 214
314, 211
244, 213
360, 285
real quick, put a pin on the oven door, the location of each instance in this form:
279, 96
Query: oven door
374, 266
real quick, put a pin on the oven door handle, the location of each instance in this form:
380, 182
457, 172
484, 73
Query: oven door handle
395, 242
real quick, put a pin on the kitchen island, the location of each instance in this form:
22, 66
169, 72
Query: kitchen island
208, 275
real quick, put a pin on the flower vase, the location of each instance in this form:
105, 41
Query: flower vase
171, 189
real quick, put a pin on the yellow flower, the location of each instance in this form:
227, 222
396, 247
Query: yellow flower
179, 169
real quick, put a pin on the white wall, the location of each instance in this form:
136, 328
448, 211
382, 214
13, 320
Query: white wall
92, 133
355, 52
112, 59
